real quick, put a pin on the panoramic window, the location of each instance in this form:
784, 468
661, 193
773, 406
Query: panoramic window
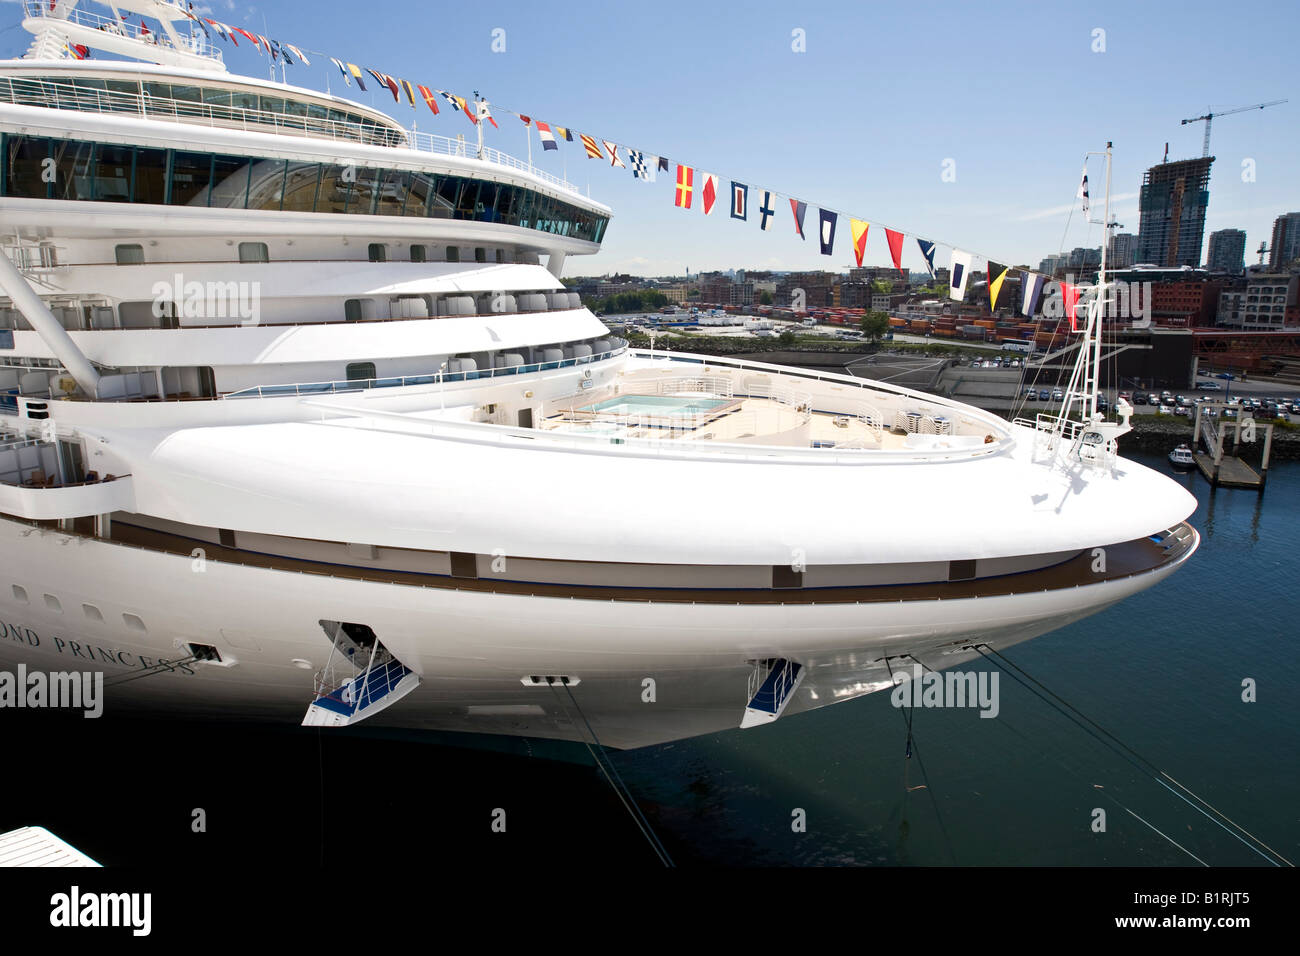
103, 172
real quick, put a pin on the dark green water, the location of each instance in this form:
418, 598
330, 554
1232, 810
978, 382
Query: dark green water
1163, 671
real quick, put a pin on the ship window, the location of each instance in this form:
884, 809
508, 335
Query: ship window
486, 209
230, 176
378, 252
215, 97
25, 166
356, 310
361, 201
785, 577
468, 200
961, 570
266, 186
392, 192
501, 255
191, 174
443, 202
148, 314
300, 182
480, 254
453, 253
418, 196
112, 166
464, 564
418, 254
129, 254
361, 371
73, 161
20, 593
254, 252
150, 176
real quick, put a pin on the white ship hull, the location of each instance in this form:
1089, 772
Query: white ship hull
473, 649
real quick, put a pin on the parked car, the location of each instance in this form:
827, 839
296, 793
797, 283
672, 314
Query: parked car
1138, 399
1227, 376
1166, 410
1030, 392
1153, 399
1126, 396
1058, 395
1212, 386
1102, 403
1295, 408
1044, 395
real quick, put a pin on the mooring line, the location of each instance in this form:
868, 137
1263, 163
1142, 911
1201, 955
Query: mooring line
1086, 723
611, 775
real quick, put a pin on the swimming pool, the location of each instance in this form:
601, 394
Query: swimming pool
661, 406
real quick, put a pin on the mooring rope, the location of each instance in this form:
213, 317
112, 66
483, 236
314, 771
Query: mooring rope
1105, 737
615, 781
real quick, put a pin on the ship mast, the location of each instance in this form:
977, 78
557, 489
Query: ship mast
1101, 298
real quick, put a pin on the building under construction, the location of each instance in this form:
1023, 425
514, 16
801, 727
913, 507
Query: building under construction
1172, 208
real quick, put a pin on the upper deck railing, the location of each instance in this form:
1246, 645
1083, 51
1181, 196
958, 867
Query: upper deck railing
63, 94
197, 44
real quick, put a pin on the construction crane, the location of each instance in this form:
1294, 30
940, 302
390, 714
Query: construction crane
1209, 118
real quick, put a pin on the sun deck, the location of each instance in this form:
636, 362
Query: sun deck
729, 403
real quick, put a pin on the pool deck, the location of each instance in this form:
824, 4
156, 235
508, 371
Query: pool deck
741, 420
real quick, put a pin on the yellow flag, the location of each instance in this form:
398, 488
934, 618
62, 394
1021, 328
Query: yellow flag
859, 237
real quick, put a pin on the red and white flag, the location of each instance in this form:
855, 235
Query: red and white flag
709, 192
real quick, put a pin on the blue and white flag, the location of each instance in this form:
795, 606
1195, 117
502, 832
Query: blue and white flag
927, 252
643, 167
961, 263
739, 200
1031, 289
766, 211
828, 220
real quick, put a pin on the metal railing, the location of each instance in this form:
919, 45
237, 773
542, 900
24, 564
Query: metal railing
441, 145
436, 378
197, 45
64, 94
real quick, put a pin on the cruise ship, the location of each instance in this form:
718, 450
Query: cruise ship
299, 423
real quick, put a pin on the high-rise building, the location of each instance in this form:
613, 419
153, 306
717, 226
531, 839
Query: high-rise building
1227, 251
1122, 245
1172, 209
1285, 248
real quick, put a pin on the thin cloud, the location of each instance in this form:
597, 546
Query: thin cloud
1055, 211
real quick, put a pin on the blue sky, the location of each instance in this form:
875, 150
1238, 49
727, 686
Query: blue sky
863, 121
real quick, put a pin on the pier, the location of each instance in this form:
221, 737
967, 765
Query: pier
1229, 470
